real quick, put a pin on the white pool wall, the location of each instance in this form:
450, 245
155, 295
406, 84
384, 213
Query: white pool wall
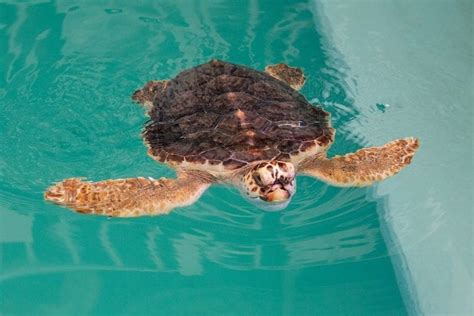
416, 58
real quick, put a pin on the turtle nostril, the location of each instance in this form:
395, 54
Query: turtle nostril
283, 180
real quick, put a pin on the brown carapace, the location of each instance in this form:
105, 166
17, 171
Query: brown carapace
225, 123
223, 114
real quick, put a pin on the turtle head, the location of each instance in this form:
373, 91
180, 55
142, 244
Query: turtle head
272, 183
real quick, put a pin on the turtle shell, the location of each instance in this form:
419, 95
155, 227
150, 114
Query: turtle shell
229, 115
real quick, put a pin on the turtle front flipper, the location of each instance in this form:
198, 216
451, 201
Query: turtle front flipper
147, 94
292, 76
129, 197
365, 166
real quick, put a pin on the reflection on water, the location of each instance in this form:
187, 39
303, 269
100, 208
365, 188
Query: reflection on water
341, 230
70, 70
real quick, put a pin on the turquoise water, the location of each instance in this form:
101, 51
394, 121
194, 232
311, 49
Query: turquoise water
68, 71
417, 58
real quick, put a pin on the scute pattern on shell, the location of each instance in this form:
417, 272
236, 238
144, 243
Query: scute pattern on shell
224, 113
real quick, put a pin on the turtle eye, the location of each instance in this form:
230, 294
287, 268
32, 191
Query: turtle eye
258, 178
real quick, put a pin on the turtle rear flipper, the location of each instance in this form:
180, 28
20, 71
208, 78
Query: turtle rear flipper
129, 197
292, 76
147, 94
365, 166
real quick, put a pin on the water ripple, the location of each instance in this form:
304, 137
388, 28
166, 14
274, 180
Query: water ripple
70, 114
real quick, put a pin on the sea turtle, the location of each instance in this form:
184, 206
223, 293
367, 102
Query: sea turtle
225, 123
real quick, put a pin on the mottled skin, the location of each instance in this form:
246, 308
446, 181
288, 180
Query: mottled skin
363, 167
224, 123
294, 77
130, 197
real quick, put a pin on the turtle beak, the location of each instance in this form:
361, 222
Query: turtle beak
281, 191
277, 195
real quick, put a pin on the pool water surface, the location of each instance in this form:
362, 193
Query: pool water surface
68, 71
